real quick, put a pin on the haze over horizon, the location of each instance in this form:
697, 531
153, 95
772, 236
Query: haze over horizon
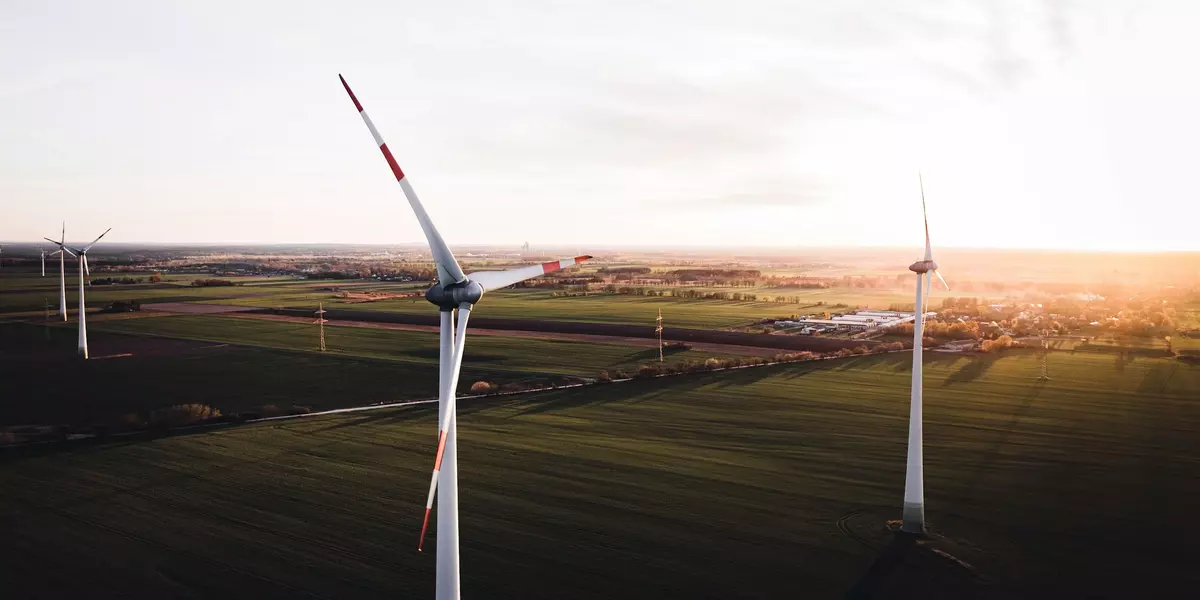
1052, 125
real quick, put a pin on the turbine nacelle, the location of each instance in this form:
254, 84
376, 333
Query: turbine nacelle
923, 266
450, 297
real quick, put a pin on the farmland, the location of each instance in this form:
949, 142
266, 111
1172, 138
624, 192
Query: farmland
493, 352
719, 485
602, 308
237, 365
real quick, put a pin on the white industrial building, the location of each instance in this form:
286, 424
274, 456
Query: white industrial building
857, 321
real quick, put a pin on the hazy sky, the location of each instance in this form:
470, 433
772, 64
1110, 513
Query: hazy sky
1064, 124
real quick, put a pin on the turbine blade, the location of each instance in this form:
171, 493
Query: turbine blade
925, 216
64, 234
68, 251
89, 246
494, 280
939, 275
86, 269
52, 241
464, 313
448, 269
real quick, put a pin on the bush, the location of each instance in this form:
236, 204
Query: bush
183, 414
212, 282
132, 421
481, 387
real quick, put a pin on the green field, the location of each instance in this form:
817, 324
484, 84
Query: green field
25, 293
145, 363
501, 353
45, 384
677, 312
719, 485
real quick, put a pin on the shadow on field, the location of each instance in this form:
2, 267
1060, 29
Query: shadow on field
908, 567
889, 561
433, 353
382, 417
652, 353
974, 369
992, 454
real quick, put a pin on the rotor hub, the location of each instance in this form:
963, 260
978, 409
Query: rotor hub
450, 297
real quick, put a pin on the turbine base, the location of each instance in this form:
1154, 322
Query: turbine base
914, 518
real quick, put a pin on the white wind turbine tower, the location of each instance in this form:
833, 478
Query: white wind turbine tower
42, 251
84, 271
914, 482
62, 253
454, 290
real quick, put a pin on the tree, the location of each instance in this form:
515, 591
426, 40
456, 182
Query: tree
156, 278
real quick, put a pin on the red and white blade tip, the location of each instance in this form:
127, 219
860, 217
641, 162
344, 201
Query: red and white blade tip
424, 526
562, 264
349, 91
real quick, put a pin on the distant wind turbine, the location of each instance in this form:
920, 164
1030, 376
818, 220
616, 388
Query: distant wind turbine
62, 253
84, 274
914, 482
43, 253
459, 291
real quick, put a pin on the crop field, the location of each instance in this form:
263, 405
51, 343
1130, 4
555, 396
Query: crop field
45, 384
35, 299
237, 364
498, 353
677, 312
764, 482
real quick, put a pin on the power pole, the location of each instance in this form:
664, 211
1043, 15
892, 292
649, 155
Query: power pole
1045, 376
321, 323
658, 330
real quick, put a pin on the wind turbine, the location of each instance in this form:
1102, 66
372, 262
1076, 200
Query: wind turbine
43, 253
62, 253
84, 271
914, 482
454, 290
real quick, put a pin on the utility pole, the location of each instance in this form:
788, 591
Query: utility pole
321, 323
658, 330
1045, 376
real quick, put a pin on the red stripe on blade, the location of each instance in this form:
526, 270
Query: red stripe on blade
392, 162
437, 462
347, 86
579, 259
550, 266
424, 526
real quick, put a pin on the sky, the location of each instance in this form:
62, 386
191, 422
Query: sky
1065, 124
